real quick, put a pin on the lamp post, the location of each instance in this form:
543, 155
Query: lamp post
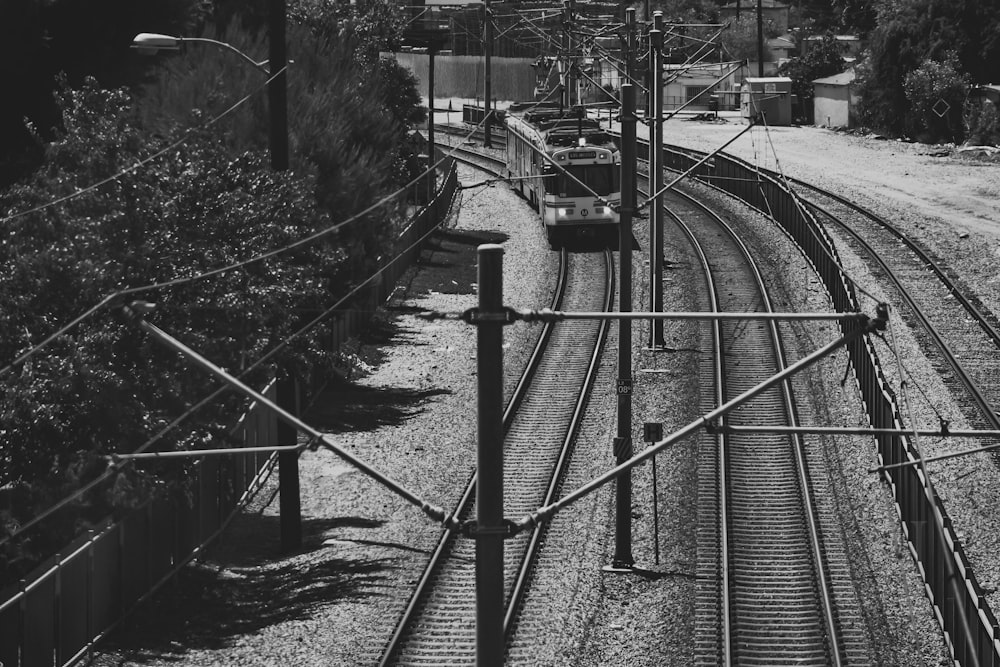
151, 43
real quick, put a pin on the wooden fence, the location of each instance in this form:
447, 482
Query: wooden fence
57, 614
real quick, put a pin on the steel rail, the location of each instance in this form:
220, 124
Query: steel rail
978, 396
520, 586
822, 586
465, 502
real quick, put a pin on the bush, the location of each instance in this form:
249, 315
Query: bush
982, 123
104, 387
936, 91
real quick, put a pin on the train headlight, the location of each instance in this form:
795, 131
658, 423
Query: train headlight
564, 212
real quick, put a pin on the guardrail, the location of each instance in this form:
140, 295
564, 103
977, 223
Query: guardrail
70, 602
970, 627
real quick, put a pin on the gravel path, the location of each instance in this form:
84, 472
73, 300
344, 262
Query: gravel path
412, 415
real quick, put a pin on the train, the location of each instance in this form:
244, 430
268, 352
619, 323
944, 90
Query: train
567, 167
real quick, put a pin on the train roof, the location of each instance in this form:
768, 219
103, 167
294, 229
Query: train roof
559, 126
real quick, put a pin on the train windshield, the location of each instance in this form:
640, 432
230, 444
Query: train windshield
600, 179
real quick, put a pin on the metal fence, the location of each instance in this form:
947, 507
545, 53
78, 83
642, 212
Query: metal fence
959, 602
57, 614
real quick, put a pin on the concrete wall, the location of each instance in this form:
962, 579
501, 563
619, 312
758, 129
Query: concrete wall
511, 79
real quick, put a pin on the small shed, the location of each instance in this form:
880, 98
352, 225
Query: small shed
770, 96
834, 99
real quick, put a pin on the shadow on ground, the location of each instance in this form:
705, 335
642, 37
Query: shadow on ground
242, 587
344, 406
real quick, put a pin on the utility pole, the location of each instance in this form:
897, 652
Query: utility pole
290, 499
656, 341
277, 93
488, 93
623, 560
432, 180
760, 40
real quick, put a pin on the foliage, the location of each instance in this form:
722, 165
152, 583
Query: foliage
208, 202
101, 388
367, 27
936, 91
739, 40
910, 33
855, 16
982, 123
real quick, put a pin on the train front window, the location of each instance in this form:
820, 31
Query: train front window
586, 180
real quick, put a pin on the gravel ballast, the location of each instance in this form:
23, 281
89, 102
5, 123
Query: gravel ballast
412, 415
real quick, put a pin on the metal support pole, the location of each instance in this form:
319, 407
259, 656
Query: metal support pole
489, 482
487, 78
656, 341
277, 92
760, 40
431, 179
289, 502
623, 442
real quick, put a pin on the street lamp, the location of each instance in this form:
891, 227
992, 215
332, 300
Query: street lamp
150, 43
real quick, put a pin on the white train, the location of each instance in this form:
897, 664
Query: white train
567, 167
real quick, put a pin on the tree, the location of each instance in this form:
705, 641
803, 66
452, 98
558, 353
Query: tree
909, 33
936, 92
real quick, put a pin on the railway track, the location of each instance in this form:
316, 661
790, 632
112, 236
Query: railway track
540, 423
956, 329
774, 582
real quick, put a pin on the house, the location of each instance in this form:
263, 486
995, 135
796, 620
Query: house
834, 100
684, 83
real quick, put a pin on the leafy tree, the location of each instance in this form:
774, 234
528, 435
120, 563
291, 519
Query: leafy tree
936, 92
909, 33
856, 16
211, 200
102, 388
739, 40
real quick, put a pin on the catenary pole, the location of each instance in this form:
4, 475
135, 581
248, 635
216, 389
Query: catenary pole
488, 74
489, 532
656, 341
623, 559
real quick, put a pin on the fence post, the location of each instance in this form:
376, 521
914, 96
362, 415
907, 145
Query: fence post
290, 506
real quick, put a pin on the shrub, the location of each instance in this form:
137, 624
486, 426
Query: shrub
936, 91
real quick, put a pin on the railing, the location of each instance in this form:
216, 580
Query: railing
959, 602
57, 614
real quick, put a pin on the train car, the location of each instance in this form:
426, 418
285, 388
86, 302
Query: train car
566, 166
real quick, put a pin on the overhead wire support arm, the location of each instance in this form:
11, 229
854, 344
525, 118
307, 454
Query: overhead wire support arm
700, 162
706, 421
135, 313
